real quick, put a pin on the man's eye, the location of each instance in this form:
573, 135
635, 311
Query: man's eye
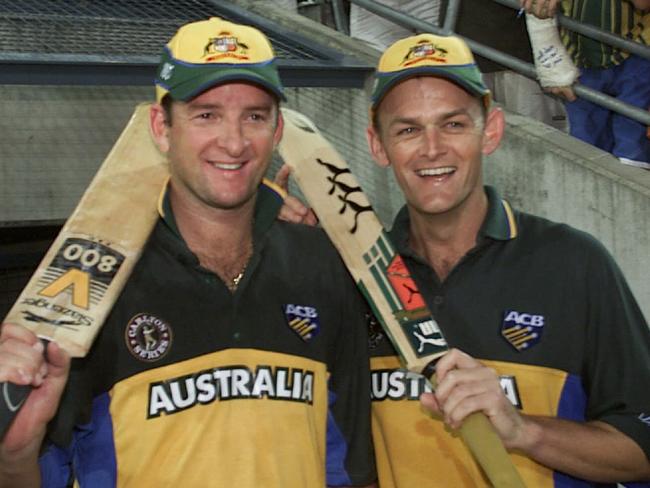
256, 117
406, 131
204, 115
455, 124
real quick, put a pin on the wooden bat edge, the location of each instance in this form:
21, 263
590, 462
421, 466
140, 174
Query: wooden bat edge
74, 227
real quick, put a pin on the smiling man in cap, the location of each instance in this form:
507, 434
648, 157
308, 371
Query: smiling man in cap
547, 335
260, 373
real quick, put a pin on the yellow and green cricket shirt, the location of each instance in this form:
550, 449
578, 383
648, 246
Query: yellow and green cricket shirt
546, 307
189, 385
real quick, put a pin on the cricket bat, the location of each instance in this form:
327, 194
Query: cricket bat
345, 213
82, 274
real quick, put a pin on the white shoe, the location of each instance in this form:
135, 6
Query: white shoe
634, 162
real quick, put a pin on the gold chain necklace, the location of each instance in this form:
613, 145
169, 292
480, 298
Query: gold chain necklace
235, 280
234, 283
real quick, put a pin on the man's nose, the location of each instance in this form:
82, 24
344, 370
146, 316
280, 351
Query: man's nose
232, 138
433, 142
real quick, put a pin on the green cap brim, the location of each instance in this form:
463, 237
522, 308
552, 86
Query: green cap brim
195, 86
184, 81
468, 77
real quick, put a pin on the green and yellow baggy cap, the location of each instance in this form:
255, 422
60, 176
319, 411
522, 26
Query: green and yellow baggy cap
210, 52
428, 54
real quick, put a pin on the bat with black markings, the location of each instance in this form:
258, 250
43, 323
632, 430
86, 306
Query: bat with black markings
349, 220
82, 274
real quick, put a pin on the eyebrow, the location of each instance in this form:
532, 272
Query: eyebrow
212, 106
260, 108
454, 113
443, 116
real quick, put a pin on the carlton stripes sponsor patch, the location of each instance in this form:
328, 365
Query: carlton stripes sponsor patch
148, 337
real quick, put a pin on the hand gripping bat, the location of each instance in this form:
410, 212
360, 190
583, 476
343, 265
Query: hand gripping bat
348, 218
76, 284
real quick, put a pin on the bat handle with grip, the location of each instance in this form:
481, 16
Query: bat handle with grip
486, 446
12, 398
482, 440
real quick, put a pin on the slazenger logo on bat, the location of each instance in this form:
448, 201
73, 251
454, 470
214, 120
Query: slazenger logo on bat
54, 314
83, 270
425, 337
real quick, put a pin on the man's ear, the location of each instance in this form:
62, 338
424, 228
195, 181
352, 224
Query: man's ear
494, 127
159, 127
376, 147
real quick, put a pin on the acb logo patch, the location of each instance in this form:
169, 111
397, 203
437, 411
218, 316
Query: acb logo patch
522, 330
303, 320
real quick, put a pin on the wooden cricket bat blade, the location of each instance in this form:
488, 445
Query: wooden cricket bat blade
82, 274
345, 213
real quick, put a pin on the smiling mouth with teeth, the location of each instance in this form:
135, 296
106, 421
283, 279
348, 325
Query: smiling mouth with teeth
229, 167
435, 171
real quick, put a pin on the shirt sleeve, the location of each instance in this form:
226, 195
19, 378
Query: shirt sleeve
618, 363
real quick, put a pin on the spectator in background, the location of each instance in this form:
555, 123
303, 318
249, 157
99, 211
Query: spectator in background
482, 21
501, 28
614, 72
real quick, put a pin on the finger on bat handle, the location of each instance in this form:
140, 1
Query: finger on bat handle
486, 446
12, 398
429, 371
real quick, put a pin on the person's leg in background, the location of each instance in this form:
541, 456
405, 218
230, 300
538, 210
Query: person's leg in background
632, 85
588, 121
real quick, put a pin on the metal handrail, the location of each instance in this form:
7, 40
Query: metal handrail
593, 32
451, 16
515, 64
340, 19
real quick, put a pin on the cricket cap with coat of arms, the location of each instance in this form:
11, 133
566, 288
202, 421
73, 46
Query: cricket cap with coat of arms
425, 54
210, 52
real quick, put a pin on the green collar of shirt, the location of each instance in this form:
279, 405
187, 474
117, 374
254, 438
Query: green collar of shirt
500, 223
